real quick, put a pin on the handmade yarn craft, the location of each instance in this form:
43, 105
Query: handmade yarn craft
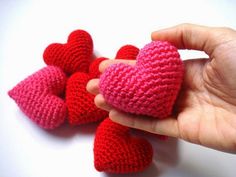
75, 55
57, 93
80, 103
41, 95
115, 149
150, 87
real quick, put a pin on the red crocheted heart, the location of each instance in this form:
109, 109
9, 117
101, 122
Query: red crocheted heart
81, 107
116, 151
149, 88
73, 56
38, 96
127, 52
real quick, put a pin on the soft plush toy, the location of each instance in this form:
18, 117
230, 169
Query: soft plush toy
39, 96
115, 149
149, 88
80, 103
75, 55
74, 58
57, 93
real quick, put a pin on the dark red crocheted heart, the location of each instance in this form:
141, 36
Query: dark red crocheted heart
73, 56
127, 52
80, 103
116, 151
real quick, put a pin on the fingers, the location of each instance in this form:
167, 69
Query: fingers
104, 64
101, 103
93, 86
189, 36
168, 127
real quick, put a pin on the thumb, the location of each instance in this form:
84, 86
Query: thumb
189, 36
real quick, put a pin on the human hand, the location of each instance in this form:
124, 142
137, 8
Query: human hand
205, 110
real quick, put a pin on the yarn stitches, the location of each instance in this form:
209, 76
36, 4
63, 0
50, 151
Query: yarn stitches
38, 96
149, 88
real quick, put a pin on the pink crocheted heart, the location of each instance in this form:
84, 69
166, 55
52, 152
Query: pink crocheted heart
148, 88
38, 97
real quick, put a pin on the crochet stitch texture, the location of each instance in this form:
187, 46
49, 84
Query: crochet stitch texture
115, 151
149, 88
73, 56
38, 96
127, 52
80, 103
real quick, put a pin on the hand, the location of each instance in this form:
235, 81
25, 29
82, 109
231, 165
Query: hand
205, 111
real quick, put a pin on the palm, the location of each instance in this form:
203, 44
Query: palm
206, 106
203, 116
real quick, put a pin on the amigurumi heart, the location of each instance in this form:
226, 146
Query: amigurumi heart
38, 96
73, 56
81, 107
80, 103
127, 52
116, 151
148, 88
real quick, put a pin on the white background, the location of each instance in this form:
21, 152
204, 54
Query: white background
27, 27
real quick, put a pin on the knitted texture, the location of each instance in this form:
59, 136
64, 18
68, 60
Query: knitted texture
73, 56
38, 96
115, 151
94, 67
127, 52
81, 107
149, 88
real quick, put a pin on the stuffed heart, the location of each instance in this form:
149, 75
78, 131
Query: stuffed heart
115, 151
81, 107
149, 88
127, 52
73, 56
38, 96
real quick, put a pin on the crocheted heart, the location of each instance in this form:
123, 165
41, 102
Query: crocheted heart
81, 107
73, 56
38, 96
127, 52
149, 88
116, 151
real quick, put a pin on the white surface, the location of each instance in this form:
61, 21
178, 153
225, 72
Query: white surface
27, 27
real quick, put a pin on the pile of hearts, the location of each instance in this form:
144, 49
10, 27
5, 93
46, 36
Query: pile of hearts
57, 93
